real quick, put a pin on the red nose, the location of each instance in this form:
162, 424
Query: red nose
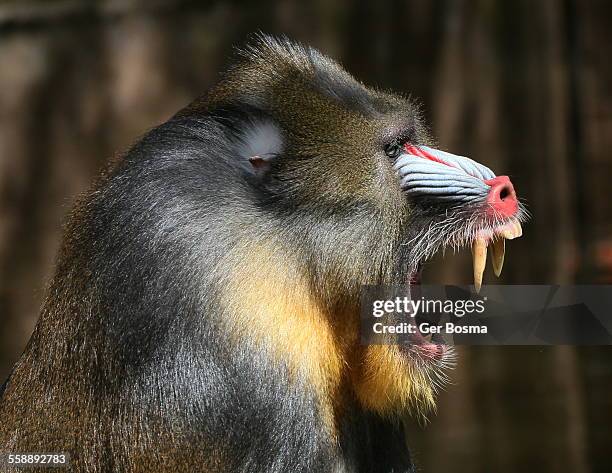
502, 197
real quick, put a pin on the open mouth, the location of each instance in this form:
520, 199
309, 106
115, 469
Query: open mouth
491, 237
432, 346
456, 203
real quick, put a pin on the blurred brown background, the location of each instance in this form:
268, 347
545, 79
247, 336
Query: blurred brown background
522, 86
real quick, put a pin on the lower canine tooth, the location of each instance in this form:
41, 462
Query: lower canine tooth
479, 260
498, 250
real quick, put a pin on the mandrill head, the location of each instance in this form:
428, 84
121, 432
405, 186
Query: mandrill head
356, 195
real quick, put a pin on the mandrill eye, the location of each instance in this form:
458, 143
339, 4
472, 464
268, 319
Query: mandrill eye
393, 150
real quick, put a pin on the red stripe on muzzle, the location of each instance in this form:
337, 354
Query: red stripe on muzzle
411, 149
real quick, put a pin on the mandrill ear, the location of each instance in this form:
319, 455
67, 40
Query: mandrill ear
261, 163
261, 142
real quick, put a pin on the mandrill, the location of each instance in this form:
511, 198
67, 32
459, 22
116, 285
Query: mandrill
204, 312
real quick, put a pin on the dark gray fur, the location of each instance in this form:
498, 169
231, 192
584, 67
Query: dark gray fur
129, 368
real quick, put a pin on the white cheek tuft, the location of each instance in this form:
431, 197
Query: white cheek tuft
261, 139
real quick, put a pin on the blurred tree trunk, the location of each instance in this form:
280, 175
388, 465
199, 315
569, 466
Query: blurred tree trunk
517, 115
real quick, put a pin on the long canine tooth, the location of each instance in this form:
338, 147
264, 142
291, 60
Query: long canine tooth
498, 251
479, 259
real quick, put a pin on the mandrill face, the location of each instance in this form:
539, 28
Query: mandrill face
462, 203
349, 174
